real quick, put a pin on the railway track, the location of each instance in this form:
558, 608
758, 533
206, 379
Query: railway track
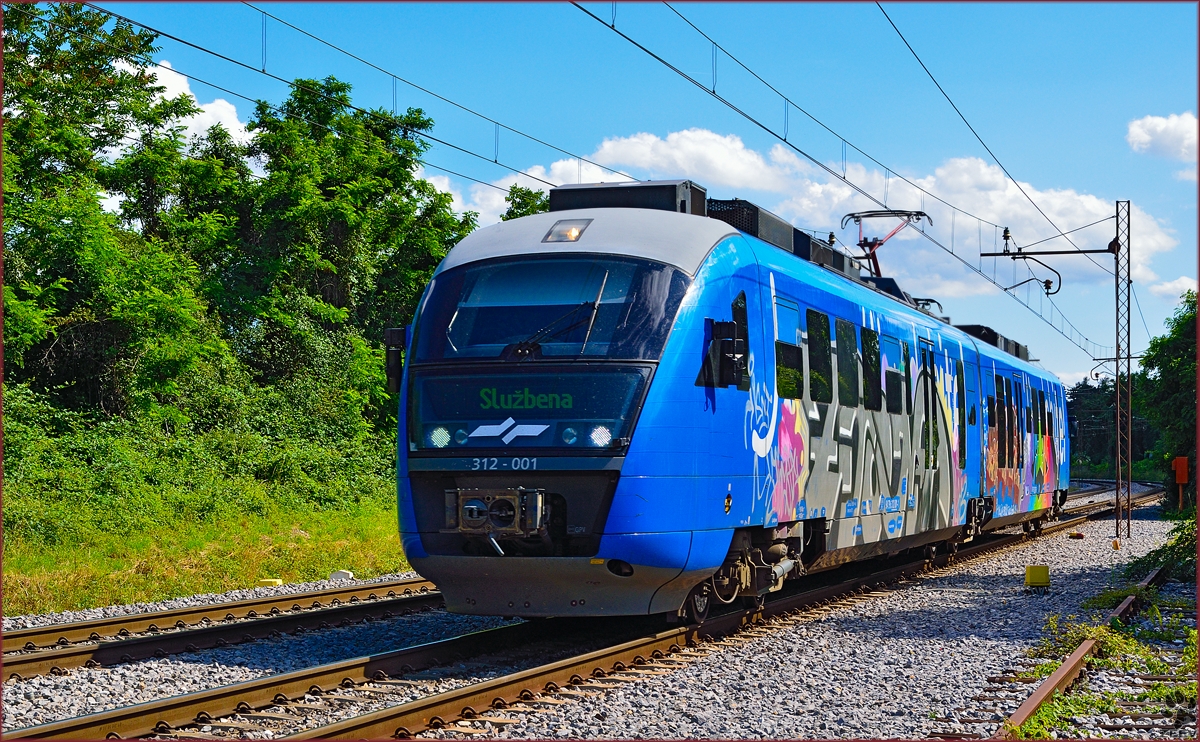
1123, 716
60, 647
107, 641
397, 694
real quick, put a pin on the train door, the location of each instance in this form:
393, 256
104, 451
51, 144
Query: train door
788, 502
898, 403
849, 393
1022, 422
930, 436
1041, 453
821, 497
974, 421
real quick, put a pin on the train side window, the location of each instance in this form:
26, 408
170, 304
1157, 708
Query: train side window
872, 376
787, 319
1042, 412
847, 356
1001, 425
789, 370
743, 332
820, 357
893, 378
907, 377
961, 396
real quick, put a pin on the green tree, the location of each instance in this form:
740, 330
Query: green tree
524, 201
1166, 393
106, 318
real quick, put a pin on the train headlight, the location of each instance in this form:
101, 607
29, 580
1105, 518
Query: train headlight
567, 230
601, 436
569, 436
439, 437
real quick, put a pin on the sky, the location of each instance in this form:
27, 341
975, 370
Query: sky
1083, 104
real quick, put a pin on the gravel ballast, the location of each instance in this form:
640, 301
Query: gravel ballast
47, 698
886, 667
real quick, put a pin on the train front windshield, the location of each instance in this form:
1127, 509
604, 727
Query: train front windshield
552, 350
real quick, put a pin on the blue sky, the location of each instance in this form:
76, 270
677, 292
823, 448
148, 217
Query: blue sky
1083, 103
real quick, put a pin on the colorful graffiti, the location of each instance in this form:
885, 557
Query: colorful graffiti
790, 460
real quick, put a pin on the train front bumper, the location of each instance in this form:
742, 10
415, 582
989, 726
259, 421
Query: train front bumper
554, 586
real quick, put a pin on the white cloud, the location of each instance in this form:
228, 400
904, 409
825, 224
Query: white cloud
1171, 136
809, 197
701, 155
218, 111
488, 200
1172, 290
1186, 174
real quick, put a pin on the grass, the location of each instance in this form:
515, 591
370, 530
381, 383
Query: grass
206, 557
1114, 648
1118, 647
1113, 597
1178, 554
104, 511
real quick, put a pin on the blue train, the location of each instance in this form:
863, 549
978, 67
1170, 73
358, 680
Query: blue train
647, 401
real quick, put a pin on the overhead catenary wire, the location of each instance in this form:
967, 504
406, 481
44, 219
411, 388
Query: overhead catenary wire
789, 101
297, 86
440, 97
983, 143
1070, 335
244, 97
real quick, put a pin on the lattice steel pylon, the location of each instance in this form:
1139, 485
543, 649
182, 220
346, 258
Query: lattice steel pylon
1124, 376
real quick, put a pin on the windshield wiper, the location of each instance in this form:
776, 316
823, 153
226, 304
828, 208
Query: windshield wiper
526, 348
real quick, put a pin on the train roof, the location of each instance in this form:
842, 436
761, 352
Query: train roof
875, 300
684, 241
681, 240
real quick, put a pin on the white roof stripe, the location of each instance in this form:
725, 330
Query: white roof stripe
682, 240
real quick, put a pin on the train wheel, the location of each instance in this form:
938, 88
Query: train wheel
699, 600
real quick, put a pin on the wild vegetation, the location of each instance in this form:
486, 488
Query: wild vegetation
1129, 647
194, 389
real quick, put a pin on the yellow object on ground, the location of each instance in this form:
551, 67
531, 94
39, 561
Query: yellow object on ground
1037, 575
271, 582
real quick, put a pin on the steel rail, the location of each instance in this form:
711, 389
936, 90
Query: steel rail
1071, 668
436, 711
165, 715
117, 651
67, 633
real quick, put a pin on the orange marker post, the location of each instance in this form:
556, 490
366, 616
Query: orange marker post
1181, 475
